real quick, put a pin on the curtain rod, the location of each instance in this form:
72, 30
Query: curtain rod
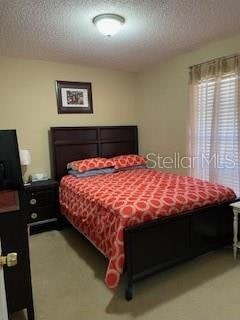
209, 61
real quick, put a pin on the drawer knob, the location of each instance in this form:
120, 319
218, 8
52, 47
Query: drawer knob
33, 201
34, 215
10, 260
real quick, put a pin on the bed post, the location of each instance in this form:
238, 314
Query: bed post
128, 265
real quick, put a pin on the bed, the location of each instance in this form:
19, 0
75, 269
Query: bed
146, 246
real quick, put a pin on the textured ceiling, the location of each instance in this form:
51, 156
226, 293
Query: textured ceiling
62, 30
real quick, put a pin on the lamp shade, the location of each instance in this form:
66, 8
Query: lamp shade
25, 157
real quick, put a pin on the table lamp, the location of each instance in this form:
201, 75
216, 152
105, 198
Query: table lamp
25, 159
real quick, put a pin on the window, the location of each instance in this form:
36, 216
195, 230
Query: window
215, 134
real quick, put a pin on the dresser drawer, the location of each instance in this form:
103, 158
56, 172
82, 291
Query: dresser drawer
41, 198
42, 213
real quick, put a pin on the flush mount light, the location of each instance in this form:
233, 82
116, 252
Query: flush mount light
109, 23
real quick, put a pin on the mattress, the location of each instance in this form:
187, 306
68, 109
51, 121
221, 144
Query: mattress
100, 207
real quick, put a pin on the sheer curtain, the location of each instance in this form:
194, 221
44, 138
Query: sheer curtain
214, 142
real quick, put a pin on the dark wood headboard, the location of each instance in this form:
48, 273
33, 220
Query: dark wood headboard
76, 143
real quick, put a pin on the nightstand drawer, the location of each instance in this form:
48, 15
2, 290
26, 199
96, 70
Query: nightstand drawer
43, 213
41, 198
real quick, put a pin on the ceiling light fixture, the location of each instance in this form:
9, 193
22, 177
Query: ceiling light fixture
109, 23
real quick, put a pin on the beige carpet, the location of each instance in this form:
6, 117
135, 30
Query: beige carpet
68, 276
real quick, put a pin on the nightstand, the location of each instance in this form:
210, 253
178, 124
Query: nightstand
42, 204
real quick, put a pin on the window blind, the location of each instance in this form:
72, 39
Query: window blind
217, 130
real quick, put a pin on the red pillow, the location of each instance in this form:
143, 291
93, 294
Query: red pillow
90, 164
128, 160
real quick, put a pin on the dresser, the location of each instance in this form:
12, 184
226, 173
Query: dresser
14, 239
13, 228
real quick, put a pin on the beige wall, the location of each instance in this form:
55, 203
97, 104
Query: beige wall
162, 99
28, 102
156, 99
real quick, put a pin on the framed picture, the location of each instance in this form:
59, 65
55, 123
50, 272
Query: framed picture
74, 97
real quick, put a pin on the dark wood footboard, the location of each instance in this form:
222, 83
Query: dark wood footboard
163, 243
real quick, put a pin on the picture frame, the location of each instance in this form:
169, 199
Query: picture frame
74, 97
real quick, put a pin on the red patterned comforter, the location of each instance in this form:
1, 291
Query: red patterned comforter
102, 206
